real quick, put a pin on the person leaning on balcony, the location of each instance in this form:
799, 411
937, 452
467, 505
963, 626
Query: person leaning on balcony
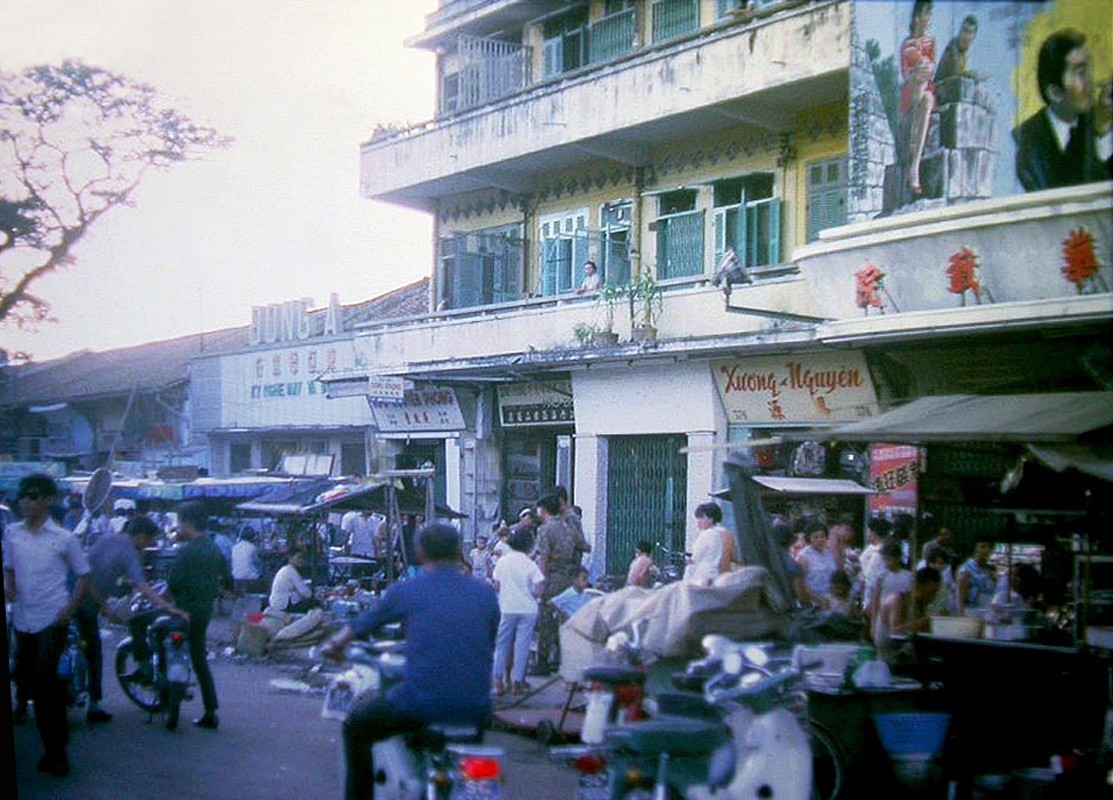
591, 279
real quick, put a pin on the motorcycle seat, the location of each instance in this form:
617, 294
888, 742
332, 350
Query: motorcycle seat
437, 735
687, 704
612, 674
678, 736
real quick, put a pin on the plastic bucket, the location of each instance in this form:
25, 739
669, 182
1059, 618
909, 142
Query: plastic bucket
912, 735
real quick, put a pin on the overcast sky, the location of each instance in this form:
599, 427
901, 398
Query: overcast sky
300, 85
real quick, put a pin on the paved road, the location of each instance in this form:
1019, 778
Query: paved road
272, 743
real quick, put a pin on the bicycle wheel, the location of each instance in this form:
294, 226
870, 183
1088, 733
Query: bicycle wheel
827, 762
143, 694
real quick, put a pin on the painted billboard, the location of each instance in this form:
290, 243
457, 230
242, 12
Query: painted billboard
960, 101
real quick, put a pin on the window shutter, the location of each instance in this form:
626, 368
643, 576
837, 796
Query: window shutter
720, 237
774, 230
550, 256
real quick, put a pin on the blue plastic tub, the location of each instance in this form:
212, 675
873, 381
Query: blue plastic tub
912, 734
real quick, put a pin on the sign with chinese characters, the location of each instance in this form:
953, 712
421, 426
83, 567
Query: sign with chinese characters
428, 408
549, 403
280, 387
810, 388
386, 388
894, 477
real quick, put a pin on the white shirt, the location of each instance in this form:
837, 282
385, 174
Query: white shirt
517, 577
40, 563
591, 283
245, 561
707, 551
288, 586
361, 533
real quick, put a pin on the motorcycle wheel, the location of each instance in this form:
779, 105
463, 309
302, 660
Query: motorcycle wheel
174, 696
144, 695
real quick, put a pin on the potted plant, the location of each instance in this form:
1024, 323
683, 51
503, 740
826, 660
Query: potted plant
608, 298
646, 304
584, 333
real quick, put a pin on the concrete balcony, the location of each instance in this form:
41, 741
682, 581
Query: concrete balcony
538, 334
1019, 248
761, 73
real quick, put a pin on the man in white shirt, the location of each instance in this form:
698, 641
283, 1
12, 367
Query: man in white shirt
361, 529
246, 566
38, 556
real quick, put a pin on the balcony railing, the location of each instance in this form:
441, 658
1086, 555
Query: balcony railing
489, 70
674, 18
612, 36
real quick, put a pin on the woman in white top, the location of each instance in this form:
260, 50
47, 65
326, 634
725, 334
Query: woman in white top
818, 564
713, 549
518, 581
289, 591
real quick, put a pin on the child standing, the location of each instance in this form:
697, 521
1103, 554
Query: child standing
479, 559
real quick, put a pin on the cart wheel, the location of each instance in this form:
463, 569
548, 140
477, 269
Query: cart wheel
546, 732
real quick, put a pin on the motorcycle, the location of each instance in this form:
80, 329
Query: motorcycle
671, 565
438, 762
738, 737
159, 683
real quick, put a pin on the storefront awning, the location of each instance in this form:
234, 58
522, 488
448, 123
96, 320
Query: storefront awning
1020, 418
785, 485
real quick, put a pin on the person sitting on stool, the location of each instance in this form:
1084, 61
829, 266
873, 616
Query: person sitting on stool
289, 591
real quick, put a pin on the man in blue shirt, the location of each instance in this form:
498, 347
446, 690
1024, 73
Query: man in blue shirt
450, 621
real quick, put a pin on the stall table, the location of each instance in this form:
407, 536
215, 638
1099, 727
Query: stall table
342, 569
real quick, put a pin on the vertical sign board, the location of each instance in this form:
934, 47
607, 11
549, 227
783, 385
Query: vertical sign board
894, 477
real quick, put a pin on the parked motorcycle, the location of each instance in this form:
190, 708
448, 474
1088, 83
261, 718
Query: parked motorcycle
740, 736
670, 565
439, 762
159, 683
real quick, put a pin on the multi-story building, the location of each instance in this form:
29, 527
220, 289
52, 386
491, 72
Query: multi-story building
824, 195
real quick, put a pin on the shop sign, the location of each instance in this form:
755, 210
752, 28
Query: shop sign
429, 408
386, 388
894, 477
813, 388
550, 403
292, 321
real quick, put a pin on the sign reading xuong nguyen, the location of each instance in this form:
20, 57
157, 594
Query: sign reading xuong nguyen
810, 388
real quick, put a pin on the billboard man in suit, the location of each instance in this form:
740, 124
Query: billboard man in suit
1058, 145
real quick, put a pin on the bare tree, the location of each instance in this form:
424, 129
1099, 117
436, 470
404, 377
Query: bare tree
75, 142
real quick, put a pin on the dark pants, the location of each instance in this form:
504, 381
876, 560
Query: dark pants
88, 628
39, 654
370, 720
198, 633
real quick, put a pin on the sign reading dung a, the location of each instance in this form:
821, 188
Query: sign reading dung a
532, 404
429, 408
812, 388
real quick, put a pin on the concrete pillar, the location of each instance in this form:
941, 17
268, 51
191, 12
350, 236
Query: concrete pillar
591, 496
701, 473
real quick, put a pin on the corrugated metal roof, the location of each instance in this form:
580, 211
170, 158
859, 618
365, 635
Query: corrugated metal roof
89, 375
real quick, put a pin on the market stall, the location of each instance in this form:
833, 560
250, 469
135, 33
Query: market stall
1030, 473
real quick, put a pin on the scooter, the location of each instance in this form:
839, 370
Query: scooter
438, 762
735, 739
161, 682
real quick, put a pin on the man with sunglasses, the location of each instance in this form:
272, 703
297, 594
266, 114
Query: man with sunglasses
38, 556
